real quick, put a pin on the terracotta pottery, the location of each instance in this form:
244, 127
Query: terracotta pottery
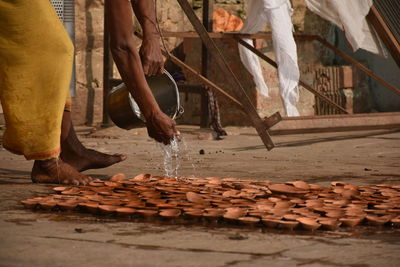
112, 184
283, 205
329, 224
118, 177
107, 209
287, 224
124, 211
338, 183
301, 184
308, 223
147, 213
334, 214
170, 213
234, 213
90, 207
269, 222
29, 203
67, 205
48, 204
59, 189
249, 220
194, 197
142, 177
349, 193
286, 189
395, 221
291, 217
377, 220
96, 183
351, 221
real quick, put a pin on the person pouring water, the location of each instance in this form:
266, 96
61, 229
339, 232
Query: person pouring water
36, 57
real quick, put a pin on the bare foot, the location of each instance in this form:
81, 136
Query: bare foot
56, 171
90, 159
79, 157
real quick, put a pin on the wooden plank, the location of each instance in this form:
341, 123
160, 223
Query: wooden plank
231, 79
305, 85
337, 123
390, 41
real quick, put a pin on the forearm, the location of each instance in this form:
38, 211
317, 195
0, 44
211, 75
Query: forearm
146, 15
130, 68
126, 57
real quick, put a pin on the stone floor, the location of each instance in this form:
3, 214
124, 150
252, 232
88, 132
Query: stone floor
66, 239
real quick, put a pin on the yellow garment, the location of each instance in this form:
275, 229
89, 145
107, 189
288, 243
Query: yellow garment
36, 57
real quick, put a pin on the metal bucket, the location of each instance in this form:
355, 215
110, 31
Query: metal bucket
124, 111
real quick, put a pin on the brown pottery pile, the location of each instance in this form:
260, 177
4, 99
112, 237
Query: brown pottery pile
293, 205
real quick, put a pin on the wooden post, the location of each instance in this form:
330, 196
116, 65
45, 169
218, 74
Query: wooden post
207, 23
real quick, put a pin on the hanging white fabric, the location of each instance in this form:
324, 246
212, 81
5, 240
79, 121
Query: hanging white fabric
349, 16
278, 14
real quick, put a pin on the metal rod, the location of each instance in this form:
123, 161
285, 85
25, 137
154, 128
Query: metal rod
231, 79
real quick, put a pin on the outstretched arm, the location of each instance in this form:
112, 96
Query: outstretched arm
150, 52
120, 25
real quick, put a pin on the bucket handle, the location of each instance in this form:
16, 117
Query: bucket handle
179, 113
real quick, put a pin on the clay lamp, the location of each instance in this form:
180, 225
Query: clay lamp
96, 183
248, 220
166, 205
170, 213
71, 191
195, 214
395, 221
334, 214
48, 204
338, 183
396, 211
308, 223
111, 202
155, 202
376, 220
29, 203
286, 189
91, 207
194, 197
67, 205
125, 211
107, 209
291, 217
351, 221
290, 225
299, 184
283, 205
349, 193
112, 184
340, 202
118, 177
270, 222
338, 190
147, 213
329, 224
142, 177
59, 189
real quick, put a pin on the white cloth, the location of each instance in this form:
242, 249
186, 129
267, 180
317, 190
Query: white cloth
278, 14
349, 16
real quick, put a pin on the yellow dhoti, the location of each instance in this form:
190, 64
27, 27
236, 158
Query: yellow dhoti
36, 56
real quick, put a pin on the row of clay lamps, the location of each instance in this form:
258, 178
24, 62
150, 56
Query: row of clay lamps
291, 205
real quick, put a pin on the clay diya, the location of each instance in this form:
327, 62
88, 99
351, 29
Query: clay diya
59, 189
286, 189
329, 224
395, 222
142, 177
48, 204
67, 205
248, 220
308, 223
290, 225
270, 222
351, 221
147, 213
125, 212
107, 209
29, 203
377, 220
194, 197
118, 177
170, 213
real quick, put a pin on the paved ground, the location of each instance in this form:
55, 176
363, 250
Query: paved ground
59, 239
